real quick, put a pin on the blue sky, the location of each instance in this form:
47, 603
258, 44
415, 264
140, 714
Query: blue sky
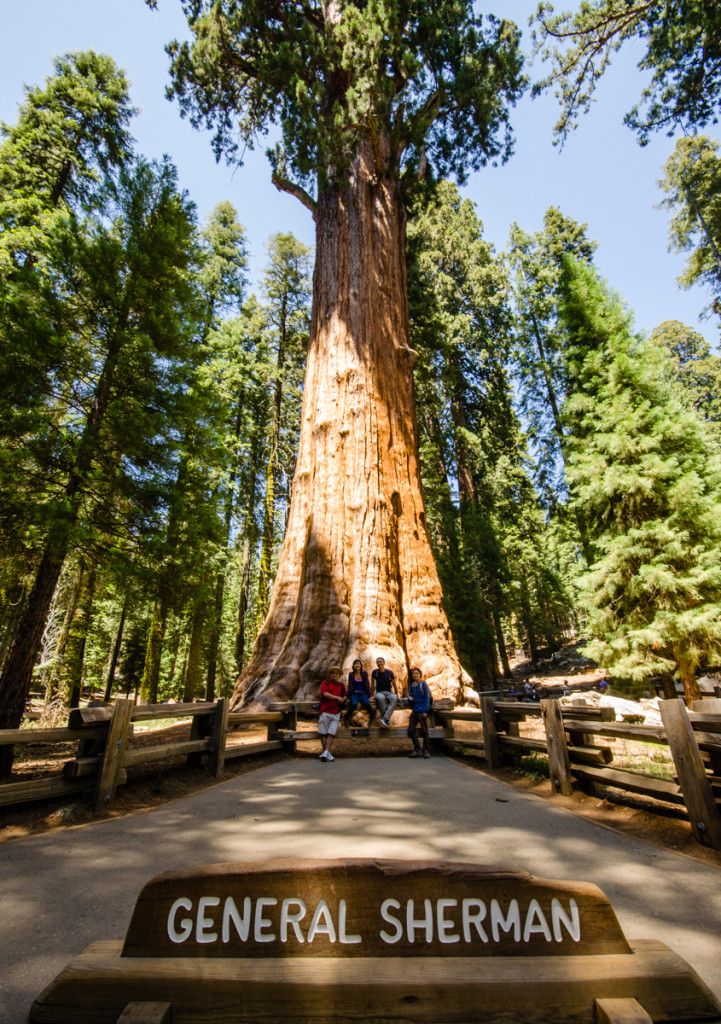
602, 176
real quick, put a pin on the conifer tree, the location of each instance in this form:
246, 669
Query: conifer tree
368, 97
692, 183
129, 331
647, 475
679, 46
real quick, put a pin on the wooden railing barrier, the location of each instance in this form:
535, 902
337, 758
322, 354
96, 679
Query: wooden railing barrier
575, 759
693, 738
102, 758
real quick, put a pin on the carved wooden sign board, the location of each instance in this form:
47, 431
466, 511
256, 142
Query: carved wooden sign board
371, 940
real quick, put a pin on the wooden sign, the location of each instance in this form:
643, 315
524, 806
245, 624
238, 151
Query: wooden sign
368, 909
435, 943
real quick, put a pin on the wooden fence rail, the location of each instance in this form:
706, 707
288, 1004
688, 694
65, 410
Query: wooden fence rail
693, 738
102, 757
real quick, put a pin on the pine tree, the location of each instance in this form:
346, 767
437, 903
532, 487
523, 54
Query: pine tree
692, 183
647, 476
129, 330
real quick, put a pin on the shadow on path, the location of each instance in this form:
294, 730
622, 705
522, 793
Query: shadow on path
61, 891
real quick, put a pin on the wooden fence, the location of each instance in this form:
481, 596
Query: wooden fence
693, 738
575, 759
102, 758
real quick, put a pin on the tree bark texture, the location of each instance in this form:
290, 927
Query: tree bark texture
356, 576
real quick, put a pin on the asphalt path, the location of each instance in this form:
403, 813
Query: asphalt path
61, 891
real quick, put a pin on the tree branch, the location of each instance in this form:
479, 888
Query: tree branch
283, 185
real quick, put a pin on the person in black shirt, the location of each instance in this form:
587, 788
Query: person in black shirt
383, 685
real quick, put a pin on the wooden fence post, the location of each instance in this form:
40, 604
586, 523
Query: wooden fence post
558, 761
710, 706
490, 738
290, 722
112, 760
220, 734
695, 786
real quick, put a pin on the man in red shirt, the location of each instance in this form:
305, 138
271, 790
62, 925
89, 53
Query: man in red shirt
332, 696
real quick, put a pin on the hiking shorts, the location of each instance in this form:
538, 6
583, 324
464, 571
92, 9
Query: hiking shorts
328, 724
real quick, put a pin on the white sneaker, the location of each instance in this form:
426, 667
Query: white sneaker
324, 756
329, 756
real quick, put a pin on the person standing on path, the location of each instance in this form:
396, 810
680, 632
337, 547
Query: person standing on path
420, 697
332, 696
383, 685
359, 692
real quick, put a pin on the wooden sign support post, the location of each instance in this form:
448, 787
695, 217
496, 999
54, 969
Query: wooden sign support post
372, 941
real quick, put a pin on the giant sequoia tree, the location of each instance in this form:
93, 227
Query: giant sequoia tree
368, 97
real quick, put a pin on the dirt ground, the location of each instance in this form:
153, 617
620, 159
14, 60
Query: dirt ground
151, 786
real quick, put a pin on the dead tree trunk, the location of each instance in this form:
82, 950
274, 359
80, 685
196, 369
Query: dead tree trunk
356, 576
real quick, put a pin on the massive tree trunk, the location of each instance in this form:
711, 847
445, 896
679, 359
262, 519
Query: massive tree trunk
356, 576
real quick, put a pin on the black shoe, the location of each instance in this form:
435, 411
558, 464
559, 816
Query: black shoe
416, 753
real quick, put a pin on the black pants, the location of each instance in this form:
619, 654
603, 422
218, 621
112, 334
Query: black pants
418, 722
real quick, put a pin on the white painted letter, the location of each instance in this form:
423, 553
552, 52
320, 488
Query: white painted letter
536, 922
287, 918
343, 937
263, 922
203, 923
513, 920
426, 923
559, 915
186, 924
316, 928
389, 919
475, 918
230, 913
442, 924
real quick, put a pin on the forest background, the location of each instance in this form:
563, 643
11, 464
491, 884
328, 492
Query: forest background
170, 529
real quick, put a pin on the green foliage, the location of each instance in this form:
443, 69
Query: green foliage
692, 183
695, 367
682, 51
539, 350
647, 475
71, 135
421, 83
487, 528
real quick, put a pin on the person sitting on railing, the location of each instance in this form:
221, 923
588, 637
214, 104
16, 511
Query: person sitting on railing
383, 683
359, 692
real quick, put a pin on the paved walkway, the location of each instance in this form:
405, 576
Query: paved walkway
62, 891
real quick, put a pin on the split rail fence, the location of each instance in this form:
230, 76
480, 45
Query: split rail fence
575, 759
570, 734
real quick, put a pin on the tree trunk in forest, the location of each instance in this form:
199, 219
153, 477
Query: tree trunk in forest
501, 642
217, 609
153, 654
18, 669
17, 672
669, 686
71, 672
687, 675
266, 552
243, 605
356, 576
192, 677
54, 685
110, 680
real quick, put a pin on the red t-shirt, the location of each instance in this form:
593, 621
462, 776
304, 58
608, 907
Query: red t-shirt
327, 704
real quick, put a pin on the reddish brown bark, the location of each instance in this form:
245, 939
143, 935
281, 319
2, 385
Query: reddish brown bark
356, 576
